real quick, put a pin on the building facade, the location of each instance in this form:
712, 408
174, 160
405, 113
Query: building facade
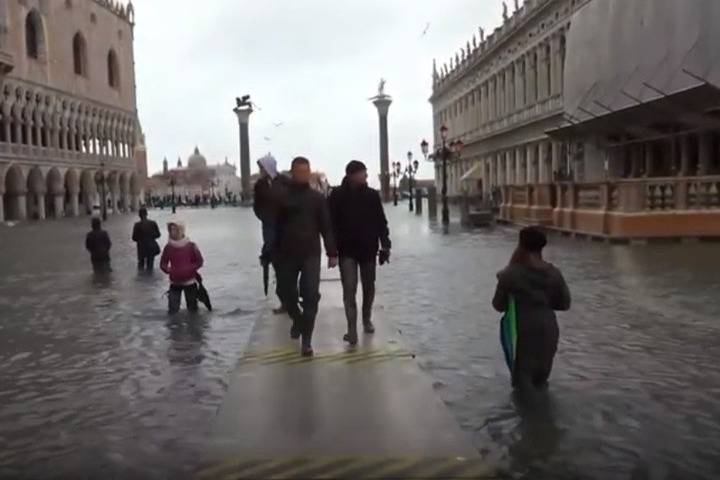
197, 179
597, 117
69, 129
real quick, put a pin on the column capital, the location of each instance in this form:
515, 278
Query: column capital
243, 114
382, 103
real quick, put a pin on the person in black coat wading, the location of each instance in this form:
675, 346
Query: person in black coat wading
145, 235
98, 243
360, 228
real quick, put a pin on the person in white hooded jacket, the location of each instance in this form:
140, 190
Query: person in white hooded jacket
266, 208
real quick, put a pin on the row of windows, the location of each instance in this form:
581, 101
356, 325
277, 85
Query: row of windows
503, 87
35, 48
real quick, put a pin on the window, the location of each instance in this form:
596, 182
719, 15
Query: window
113, 70
33, 34
80, 55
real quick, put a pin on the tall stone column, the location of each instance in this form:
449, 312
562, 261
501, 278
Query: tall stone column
554, 62
2, 205
530, 160
21, 205
509, 171
74, 203
484, 103
528, 80
59, 205
243, 114
382, 103
519, 172
40, 205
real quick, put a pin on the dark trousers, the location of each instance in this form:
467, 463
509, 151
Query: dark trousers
308, 271
101, 266
175, 295
349, 268
145, 261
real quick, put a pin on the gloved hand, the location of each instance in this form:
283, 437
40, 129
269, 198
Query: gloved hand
265, 259
384, 257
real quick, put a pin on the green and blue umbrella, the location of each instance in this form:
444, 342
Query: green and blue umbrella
508, 334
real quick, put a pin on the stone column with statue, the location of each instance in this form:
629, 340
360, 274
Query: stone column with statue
243, 109
382, 102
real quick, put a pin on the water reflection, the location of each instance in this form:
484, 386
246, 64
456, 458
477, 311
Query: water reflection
186, 335
538, 435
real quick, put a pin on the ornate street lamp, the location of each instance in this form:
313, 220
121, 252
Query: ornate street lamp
411, 170
445, 152
396, 172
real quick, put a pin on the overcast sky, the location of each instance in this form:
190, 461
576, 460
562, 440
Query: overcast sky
310, 64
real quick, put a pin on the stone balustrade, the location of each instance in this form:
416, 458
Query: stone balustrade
628, 208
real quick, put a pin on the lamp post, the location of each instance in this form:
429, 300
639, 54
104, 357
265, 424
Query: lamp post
103, 207
172, 191
445, 152
396, 172
411, 170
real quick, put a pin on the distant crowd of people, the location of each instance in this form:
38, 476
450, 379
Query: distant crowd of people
351, 223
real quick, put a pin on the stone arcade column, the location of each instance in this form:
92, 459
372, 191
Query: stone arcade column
243, 114
21, 205
2, 205
382, 103
59, 204
40, 205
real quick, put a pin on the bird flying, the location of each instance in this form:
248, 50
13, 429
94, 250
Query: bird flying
425, 30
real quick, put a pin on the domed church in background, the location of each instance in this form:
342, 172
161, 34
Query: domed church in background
195, 179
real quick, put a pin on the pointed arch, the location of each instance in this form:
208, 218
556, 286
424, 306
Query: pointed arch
113, 70
34, 35
79, 46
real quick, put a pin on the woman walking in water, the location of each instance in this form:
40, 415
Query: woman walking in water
537, 289
181, 259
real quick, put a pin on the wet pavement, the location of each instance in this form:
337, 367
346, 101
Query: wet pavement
95, 379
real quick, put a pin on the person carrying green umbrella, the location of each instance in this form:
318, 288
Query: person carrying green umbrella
529, 291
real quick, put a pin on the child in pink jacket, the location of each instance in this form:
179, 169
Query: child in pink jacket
181, 259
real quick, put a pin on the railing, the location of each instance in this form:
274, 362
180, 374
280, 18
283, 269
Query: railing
634, 195
589, 196
31, 153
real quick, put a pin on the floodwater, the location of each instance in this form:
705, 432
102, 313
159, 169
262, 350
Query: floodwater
94, 379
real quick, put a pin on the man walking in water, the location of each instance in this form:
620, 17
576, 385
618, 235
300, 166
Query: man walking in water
302, 218
145, 235
265, 207
360, 226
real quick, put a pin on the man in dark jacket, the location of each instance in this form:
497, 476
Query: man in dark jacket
145, 235
97, 242
301, 219
360, 226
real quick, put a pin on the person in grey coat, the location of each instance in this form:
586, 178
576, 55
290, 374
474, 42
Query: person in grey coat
539, 290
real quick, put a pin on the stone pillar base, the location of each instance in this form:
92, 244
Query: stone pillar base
59, 205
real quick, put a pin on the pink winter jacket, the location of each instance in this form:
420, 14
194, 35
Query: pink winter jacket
181, 259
